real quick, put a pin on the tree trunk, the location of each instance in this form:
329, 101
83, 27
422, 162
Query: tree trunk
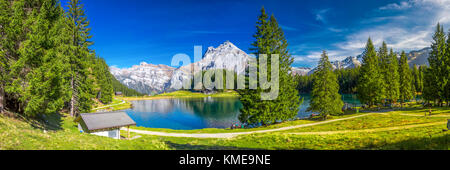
2, 99
72, 100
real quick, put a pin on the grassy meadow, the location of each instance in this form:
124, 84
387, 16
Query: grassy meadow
60, 132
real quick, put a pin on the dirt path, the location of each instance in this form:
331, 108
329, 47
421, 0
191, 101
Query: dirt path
370, 130
230, 135
123, 101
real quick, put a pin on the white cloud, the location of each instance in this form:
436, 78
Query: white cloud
401, 6
402, 29
320, 15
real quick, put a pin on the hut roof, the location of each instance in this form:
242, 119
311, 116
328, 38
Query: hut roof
105, 120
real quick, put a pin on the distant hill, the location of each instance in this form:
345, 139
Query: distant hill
418, 57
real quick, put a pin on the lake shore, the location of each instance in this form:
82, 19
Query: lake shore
180, 94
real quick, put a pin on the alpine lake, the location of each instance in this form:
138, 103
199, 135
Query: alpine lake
200, 113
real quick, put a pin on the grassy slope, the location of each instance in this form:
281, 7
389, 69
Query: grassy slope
17, 134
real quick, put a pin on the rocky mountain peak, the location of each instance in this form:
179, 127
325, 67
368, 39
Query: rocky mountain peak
149, 78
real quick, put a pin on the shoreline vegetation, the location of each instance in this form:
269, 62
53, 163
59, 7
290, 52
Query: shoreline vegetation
122, 103
180, 94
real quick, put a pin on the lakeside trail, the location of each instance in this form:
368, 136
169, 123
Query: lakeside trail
233, 134
369, 130
123, 101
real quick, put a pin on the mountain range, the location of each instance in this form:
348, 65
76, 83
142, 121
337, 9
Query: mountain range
153, 79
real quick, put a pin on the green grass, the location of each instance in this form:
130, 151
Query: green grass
18, 135
117, 104
61, 133
370, 122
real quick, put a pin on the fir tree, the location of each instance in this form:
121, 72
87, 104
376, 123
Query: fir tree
325, 97
370, 90
288, 101
104, 88
384, 58
80, 84
421, 73
36, 73
438, 69
392, 78
270, 40
253, 107
5, 15
447, 63
416, 78
406, 91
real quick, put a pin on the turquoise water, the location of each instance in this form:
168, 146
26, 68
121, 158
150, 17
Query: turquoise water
198, 113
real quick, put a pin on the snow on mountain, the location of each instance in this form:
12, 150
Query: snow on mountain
149, 78
347, 63
418, 57
144, 78
227, 56
300, 70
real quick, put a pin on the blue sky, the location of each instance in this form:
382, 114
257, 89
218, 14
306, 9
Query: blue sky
127, 32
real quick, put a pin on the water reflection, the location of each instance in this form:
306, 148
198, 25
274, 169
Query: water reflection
199, 113
186, 113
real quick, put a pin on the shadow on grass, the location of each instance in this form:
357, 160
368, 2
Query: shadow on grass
178, 146
47, 122
426, 143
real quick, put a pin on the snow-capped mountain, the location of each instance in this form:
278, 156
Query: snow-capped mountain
144, 78
149, 78
347, 63
226, 56
300, 70
418, 57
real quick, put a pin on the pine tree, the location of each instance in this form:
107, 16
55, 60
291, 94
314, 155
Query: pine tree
13, 34
392, 78
104, 88
5, 15
421, 73
370, 90
36, 73
288, 101
438, 69
270, 40
325, 97
447, 63
417, 81
406, 91
81, 84
253, 107
384, 58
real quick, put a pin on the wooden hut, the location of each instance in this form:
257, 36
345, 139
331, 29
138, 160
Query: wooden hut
104, 124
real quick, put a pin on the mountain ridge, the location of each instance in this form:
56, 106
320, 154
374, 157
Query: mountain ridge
153, 79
